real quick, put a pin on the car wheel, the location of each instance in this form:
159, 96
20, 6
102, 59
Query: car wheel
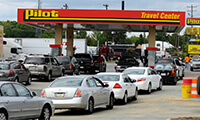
62, 74
149, 89
160, 85
104, 70
175, 81
183, 75
45, 115
28, 82
198, 85
16, 80
3, 115
90, 106
78, 72
49, 77
191, 69
125, 99
136, 94
111, 102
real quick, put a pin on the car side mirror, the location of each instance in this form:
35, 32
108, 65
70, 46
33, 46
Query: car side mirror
34, 93
106, 85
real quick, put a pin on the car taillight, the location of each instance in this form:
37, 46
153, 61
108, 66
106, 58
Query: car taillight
172, 73
45, 68
70, 66
78, 93
11, 73
141, 79
91, 63
43, 93
174, 67
117, 85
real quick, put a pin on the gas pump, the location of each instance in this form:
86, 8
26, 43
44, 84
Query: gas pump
56, 49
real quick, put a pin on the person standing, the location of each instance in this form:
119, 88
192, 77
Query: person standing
187, 60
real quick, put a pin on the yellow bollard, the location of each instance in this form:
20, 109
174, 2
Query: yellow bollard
186, 88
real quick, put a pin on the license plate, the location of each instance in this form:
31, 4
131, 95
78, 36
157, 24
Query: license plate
32, 68
59, 95
1, 74
81, 67
163, 74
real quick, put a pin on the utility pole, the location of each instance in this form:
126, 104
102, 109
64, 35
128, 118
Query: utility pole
106, 5
38, 31
192, 12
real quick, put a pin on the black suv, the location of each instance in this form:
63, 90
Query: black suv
70, 64
125, 62
86, 62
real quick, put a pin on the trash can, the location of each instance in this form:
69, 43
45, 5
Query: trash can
186, 88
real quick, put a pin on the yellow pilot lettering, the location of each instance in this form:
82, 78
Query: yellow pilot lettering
39, 13
169, 16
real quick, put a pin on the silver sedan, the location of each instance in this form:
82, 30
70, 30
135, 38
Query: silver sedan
79, 92
17, 102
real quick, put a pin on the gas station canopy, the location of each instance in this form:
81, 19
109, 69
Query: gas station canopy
103, 20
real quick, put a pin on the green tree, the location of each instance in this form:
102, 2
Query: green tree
48, 34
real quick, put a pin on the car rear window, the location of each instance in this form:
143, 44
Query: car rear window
134, 71
82, 56
67, 82
4, 67
36, 60
108, 77
163, 66
63, 59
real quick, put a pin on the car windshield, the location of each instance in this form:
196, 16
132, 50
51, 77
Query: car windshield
4, 66
134, 71
196, 59
163, 66
67, 82
108, 77
36, 60
63, 60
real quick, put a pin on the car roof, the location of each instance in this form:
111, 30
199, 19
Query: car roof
78, 76
3, 82
138, 68
110, 73
163, 62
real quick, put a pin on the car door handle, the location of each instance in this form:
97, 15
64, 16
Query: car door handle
7, 102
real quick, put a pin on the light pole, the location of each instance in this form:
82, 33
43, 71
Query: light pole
106, 5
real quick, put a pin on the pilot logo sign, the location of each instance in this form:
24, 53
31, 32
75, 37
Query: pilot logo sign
39, 15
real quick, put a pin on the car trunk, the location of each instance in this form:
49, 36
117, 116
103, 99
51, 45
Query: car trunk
4, 73
33, 67
60, 93
164, 73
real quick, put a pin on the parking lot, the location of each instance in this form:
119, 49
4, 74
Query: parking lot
159, 105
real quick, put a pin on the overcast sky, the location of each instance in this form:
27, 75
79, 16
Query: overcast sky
8, 9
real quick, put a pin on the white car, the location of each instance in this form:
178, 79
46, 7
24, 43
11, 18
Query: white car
122, 86
79, 92
147, 78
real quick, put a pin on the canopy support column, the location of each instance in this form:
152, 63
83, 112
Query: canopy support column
58, 35
70, 39
152, 49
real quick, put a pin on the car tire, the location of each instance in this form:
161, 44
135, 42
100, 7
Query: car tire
28, 82
16, 80
191, 69
90, 106
62, 74
111, 102
49, 77
198, 85
136, 94
104, 70
175, 81
160, 85
149, 89
125, 99
46, 113
78, 72
3, 115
